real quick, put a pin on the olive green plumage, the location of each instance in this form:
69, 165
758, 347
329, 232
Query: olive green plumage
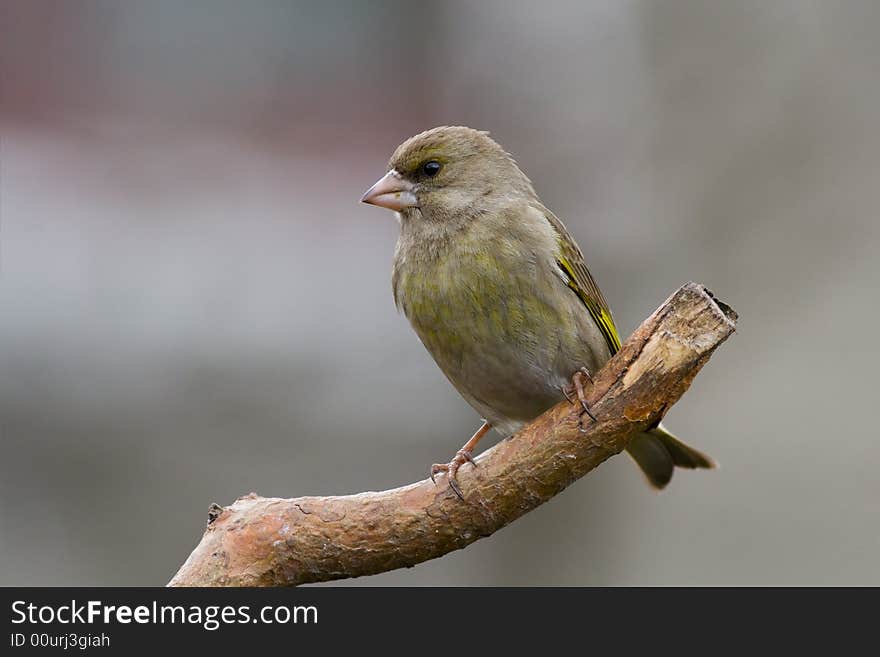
497, 289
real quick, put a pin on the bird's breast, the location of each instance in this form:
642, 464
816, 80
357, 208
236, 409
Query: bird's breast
492, 322
475, 297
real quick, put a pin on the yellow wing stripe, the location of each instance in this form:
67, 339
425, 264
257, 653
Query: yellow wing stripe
599, 314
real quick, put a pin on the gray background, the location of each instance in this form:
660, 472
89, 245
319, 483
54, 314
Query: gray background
194, 305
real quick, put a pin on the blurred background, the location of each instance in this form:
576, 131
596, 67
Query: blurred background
195, 306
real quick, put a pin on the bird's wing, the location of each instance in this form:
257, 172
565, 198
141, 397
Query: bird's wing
571, 261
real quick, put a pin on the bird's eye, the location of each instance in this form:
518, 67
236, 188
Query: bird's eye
431, 168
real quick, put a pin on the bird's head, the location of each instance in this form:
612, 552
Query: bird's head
447, 173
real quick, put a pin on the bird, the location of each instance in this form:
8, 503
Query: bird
498, 291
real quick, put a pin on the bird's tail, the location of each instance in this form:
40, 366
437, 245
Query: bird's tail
658, 452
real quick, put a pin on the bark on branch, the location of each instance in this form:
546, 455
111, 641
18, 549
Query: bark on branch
261, 541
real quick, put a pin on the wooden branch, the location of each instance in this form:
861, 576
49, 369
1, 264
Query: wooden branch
284, 542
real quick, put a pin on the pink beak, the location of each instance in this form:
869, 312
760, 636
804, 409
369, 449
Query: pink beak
392, 192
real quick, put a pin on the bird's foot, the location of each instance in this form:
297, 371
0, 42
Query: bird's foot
577, 395
461, 457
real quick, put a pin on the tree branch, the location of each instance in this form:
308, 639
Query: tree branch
284, 542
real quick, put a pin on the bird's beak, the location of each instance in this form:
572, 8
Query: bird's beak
392, 192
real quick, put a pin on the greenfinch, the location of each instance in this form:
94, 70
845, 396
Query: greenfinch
499, 293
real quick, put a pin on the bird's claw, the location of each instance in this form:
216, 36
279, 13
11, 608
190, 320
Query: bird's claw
461, 457
588, 411
577, 381
453, 484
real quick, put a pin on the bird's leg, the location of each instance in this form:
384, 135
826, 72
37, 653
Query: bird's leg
462, 456
579, 380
